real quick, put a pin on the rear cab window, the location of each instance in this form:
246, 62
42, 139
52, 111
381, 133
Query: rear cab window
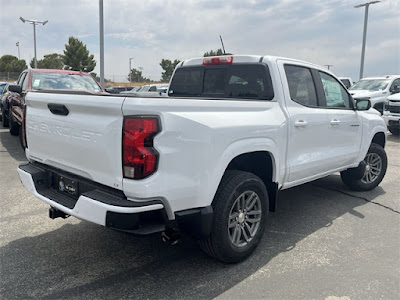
240, 81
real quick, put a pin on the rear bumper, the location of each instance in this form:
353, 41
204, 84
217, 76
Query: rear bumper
96, 203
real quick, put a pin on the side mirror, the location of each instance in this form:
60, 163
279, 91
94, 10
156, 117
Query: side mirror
363, 104
15, 88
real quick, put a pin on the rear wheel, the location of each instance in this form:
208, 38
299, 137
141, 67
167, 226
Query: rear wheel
240, 213
14, 126
375, 170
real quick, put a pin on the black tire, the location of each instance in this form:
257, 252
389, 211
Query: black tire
376, 161
14, 126
4, 120
234, 187
394, 130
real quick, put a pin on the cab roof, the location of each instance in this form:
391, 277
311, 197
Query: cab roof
58, 71
246, 59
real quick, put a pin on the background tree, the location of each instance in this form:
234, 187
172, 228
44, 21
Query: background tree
136, 76
10, 63
168, 66
50, 61
214, 53
76, 56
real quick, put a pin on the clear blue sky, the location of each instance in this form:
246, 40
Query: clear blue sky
319, 31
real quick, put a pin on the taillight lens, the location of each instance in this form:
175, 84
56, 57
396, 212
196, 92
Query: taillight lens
139, 156
218, 60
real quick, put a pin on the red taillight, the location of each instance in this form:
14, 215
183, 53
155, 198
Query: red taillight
139, 157
218, 60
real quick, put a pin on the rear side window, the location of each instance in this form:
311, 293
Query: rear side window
228, 81
301, 85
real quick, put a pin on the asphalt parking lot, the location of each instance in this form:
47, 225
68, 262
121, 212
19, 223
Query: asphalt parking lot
324, 242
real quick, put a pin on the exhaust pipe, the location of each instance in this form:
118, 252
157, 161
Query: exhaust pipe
171, 236
55, 213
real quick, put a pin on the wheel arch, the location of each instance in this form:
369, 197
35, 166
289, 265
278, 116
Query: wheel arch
248, 155
252, 162
380, 139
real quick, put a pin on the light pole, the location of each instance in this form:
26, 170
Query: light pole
130, 70
34, 23
101, 33
328, 66
17, 44
364, 34
141, 71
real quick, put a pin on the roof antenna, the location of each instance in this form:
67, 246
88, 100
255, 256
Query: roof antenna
222, 42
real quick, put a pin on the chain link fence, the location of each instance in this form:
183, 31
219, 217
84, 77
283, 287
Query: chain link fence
9, 76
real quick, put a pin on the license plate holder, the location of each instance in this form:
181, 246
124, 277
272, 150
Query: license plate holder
68, 186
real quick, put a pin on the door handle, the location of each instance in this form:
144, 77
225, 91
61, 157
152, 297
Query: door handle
300, 123
335, 122
58, 109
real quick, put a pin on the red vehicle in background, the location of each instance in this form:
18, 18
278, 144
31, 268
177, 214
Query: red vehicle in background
44, 79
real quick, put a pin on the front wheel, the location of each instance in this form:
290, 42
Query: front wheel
240, 213
375, 170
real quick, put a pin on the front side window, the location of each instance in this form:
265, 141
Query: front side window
301, 85
335, 94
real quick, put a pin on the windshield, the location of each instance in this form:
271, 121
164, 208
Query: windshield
371, 84
64, 81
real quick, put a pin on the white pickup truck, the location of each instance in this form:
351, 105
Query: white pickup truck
391, 114
376, 90
210, 159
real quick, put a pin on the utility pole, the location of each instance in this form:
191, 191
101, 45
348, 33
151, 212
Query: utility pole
328, 66
17, 44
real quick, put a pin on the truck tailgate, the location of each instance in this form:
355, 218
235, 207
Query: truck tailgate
85, 139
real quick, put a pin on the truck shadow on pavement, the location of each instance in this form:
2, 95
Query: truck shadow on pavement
11, 145
87, 261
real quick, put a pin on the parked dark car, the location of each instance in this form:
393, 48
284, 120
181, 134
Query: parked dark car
39, 80
4, 105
